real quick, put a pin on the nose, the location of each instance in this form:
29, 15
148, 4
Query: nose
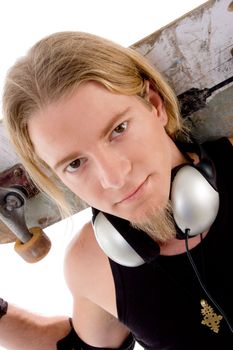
112, 169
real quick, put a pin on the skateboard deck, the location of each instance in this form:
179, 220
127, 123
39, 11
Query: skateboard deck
12, 174
195, 54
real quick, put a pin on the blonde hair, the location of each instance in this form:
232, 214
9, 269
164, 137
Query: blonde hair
53, 68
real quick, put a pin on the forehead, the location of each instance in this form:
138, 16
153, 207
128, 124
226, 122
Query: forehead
88, 97
69, 121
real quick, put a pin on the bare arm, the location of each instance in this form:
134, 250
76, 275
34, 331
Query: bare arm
98, 328
91, 283
94, 312
20, 329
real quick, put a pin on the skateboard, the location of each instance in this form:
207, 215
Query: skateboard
24, 211
195, 54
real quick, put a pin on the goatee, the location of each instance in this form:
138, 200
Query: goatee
158, 223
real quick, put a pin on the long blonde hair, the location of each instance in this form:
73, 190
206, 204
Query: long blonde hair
53, 68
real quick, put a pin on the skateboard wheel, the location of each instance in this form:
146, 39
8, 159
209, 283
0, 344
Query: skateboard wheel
36, 248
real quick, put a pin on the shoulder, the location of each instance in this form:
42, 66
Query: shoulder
217, 146
86, 266
89, 278
82, 255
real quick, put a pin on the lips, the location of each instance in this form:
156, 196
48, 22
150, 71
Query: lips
134, 193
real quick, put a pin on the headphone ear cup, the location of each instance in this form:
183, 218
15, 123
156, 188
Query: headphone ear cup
194, 200
113, 244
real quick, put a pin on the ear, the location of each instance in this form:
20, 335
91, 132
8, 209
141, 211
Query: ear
153, 97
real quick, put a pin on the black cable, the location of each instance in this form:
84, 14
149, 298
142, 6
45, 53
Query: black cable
202, 284
203, 261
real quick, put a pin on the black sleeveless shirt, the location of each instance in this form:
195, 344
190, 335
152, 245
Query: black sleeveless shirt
159, 301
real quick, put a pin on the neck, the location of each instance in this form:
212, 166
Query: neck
176, 246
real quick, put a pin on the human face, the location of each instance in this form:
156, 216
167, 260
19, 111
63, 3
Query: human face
110, 149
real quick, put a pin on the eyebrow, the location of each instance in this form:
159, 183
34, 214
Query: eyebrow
113, 120
64, 160
104, 132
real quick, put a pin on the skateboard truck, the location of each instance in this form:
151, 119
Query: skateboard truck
31, 244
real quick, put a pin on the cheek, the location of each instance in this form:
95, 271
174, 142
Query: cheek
156, 149
86, 190
159, 156
71, 184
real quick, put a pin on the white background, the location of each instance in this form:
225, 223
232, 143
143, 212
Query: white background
40, 287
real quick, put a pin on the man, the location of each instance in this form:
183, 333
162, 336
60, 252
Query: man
97, 117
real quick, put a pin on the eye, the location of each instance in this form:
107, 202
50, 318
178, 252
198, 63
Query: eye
74, 165
120, 129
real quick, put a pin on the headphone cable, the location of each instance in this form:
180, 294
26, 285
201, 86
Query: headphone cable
202, 284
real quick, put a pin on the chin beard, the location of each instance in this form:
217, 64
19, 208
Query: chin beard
158, 224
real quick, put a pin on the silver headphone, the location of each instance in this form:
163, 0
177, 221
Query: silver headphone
195, 203
114, 244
